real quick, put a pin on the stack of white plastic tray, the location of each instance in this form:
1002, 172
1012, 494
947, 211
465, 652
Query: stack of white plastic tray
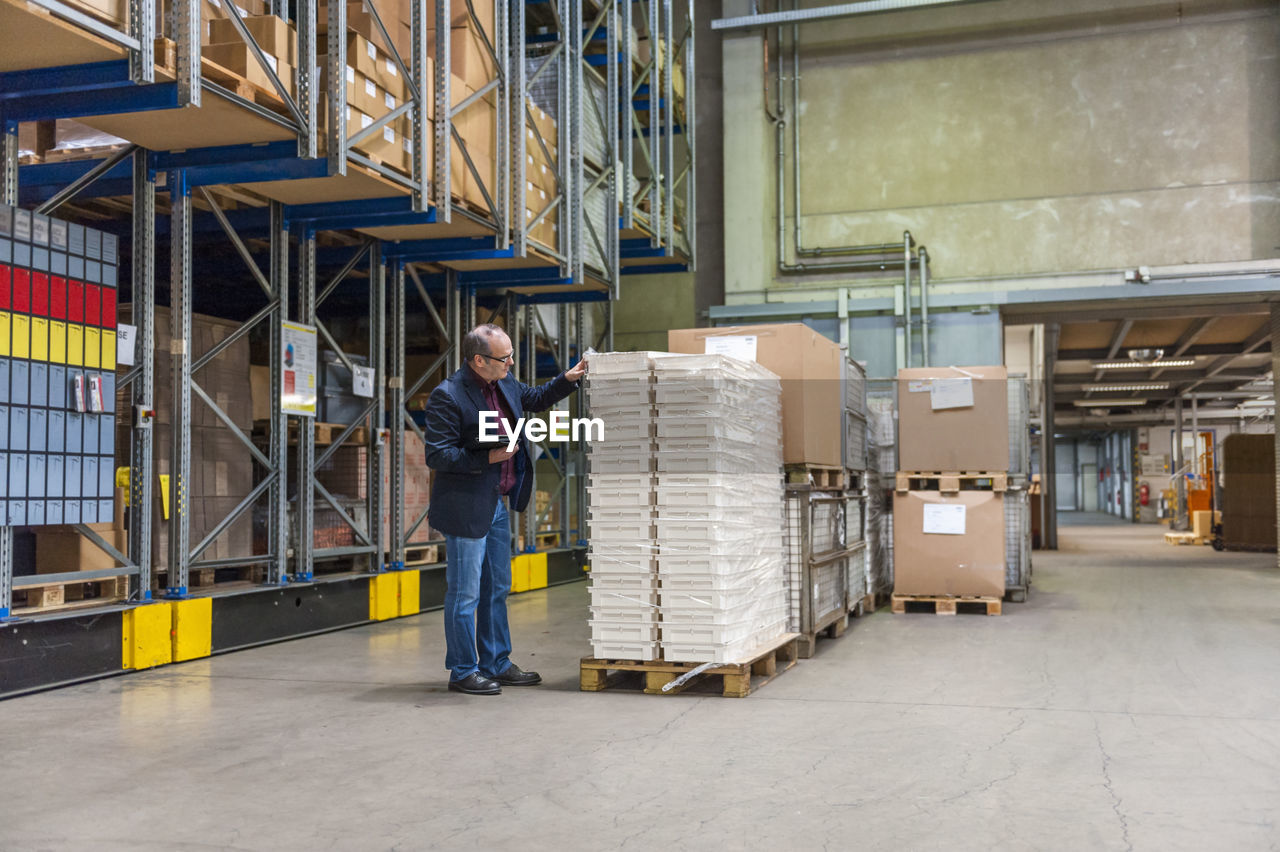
718, 525
621, 497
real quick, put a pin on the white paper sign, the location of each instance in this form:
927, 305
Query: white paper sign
944, 519
126, 340
951, 393
736, 346
298, 369
362, 382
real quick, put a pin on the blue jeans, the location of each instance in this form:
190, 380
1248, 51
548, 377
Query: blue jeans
478, 573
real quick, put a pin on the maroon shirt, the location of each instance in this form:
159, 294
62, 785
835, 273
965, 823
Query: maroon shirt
493, 399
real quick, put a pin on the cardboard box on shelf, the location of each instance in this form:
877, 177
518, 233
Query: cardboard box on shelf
260, 391
948, 544
60, 549
810, 368
953, 419
111, 11
237, 59
273, 34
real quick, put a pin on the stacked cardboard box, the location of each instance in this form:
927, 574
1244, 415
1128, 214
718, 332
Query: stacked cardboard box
221, 467
276, 38
541, 186
417, 492
719, 501
374, 87
951, 420
1249, 492
621, 489
811, 368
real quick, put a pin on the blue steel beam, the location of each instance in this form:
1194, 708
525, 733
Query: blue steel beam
458, 248
655, 269
562, 297
396, 211
500, 277
102, 88
240, 164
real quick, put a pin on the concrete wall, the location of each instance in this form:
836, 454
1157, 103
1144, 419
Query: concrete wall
1016, 139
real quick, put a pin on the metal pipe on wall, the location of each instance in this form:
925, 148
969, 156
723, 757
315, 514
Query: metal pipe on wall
883, 264
906, 288
923, 261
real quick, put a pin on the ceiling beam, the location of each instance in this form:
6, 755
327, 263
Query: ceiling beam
1100, 354
1117, 338
1256, 340
1069, 315
1190, 336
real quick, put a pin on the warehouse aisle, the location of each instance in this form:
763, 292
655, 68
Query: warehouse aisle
1133, 703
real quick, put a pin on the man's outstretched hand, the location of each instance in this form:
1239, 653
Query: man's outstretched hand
579, 370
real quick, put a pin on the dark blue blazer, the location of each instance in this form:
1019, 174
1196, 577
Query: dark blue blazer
464, 491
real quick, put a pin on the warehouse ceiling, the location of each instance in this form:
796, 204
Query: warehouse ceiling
1129, 369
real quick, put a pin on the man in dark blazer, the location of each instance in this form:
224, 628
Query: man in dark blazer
474, 486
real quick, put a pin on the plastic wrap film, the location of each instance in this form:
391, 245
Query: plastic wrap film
68, 136
545, 91
719, 494
595, 204
882, 432
879, 527
855, 386
857, 574
1017, 540
594, 134
855, 515
622, 508
685, 509
1019, 427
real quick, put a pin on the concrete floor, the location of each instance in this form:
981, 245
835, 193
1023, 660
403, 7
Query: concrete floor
1133, 703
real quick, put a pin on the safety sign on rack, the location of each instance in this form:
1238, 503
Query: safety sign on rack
298, 369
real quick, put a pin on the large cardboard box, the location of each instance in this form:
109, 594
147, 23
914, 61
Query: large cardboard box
970, 563
810, 368
1248, 496
273, 34
932, 436
62, 549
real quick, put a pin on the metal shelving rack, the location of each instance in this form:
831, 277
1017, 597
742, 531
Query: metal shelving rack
408, 249
657, 134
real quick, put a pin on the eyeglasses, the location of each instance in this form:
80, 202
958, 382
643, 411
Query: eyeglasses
509, 357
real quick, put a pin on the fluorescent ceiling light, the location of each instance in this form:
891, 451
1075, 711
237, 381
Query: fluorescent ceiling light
1107, 403
1144, 365
1135, 386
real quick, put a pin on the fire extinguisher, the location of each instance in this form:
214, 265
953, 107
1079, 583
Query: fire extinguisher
1144, 494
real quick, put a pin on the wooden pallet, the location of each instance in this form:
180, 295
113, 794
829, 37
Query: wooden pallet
422, 555
934, 480
818, 477
205, 577
1180, 538
736, 680
870, 603
57, 596
832, 626
947, 605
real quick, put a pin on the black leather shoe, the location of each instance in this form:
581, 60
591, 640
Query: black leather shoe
513, 676
475, 684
